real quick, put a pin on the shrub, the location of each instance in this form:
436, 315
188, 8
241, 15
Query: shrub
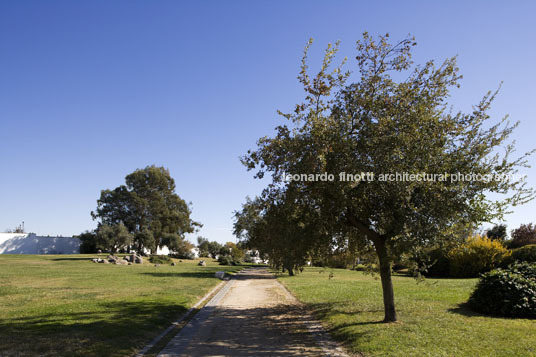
226, 260
526, 253
507, 292
477, 255
524, 235
160, 259
438, 263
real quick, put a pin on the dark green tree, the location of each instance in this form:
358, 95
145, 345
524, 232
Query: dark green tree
498, 232
394, 118
203, 246
144, 239
88, 242
214, 249
280, 228
113, 237
147, 203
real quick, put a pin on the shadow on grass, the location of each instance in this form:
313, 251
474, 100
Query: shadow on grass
71, 258
208, 272
112, 328
259, 331
324, 311
184, 274
465, 310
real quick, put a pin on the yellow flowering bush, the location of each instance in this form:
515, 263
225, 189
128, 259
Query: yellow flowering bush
477, 255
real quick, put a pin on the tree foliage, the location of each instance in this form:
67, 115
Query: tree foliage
498, 232
524, 235
281, 228
113, 237
149, 207
394, 118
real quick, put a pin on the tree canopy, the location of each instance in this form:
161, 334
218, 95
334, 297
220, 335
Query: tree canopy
149, 208
391, 124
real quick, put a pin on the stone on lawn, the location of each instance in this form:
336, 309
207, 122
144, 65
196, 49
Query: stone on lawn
202, 263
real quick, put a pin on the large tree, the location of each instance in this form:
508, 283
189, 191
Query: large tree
392, 119
149, 207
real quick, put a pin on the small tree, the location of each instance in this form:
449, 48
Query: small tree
203, 246
524, 235
214, 249
498, 232
113, 237
88, 242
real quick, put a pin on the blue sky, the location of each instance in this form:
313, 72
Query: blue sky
90, 91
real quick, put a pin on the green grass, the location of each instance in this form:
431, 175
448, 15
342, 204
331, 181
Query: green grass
67, 305
433, 318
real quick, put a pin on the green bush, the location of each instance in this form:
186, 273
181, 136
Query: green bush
526, 253
437, 262
507, 292
226, 260
160, 259
476, 256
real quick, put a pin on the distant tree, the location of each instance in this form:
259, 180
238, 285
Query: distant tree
113, 237
88, 242
393, 119
183, 250
235, 251
524, 235
147, 203
214, 249
498, 232
203, 246
224, 250
280, 228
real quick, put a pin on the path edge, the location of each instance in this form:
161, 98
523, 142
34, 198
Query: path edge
329, 346
200, 302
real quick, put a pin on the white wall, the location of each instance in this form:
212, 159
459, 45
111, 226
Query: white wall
30, 243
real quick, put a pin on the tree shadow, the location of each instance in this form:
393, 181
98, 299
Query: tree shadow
72, 258
195, 275
241, 331
465, 310
113, 328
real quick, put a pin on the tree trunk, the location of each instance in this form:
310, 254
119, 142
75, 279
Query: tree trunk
387, 282
290, 271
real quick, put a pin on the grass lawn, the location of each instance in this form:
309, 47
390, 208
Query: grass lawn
433, 320
67, 305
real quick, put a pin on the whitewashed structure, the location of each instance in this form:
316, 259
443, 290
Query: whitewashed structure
30, 243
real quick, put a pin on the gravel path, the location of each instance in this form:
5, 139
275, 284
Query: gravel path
253, 315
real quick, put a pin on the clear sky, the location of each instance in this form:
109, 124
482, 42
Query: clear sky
92, 90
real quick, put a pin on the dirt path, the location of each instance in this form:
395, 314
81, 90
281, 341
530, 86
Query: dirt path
253, 315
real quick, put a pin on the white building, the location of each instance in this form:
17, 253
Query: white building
30, 243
